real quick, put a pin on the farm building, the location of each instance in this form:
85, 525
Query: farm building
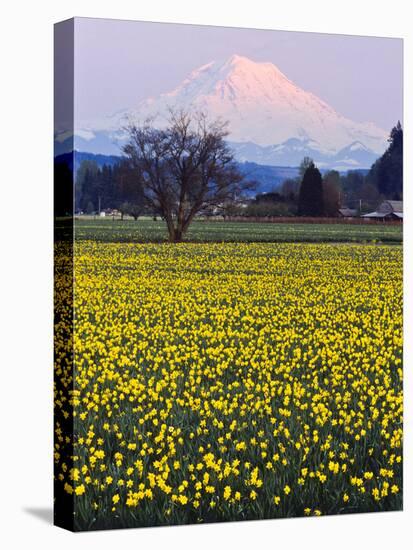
347, 212
388, 210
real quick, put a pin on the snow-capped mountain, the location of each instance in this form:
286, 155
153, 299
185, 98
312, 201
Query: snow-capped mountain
271, 120
292, 151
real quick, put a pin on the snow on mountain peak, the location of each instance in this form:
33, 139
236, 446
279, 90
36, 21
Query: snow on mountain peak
357, 146
262, 107
235, 79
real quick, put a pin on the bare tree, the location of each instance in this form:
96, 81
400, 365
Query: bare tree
290, 188
184, 168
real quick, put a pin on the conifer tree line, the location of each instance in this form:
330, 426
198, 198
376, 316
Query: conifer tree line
108, 187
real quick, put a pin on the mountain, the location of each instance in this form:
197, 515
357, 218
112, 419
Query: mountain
271, 120
292, 151
268, 178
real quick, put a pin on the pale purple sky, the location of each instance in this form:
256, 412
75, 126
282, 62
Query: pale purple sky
118, 63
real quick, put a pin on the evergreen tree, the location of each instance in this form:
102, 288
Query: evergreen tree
89, 200
386, 174
310, 200
105, 187
86, 174
305, 163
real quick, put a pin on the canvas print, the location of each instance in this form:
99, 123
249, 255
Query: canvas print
228, 274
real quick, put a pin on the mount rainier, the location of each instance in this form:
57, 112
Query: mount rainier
271, 120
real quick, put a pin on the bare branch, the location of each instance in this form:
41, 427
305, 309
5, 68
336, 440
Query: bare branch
185, 167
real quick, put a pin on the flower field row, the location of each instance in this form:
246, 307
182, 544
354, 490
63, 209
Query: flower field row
147, 230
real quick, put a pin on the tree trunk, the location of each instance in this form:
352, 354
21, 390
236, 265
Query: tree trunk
174, 235
171, 229
178, 235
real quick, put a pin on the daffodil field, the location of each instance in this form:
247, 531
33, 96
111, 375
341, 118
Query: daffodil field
230, 381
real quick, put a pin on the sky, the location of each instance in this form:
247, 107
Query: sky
119, 63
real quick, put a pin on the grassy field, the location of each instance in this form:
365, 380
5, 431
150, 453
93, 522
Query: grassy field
229, 381
146, 230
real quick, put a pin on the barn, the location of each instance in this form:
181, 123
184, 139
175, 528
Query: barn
387, 211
